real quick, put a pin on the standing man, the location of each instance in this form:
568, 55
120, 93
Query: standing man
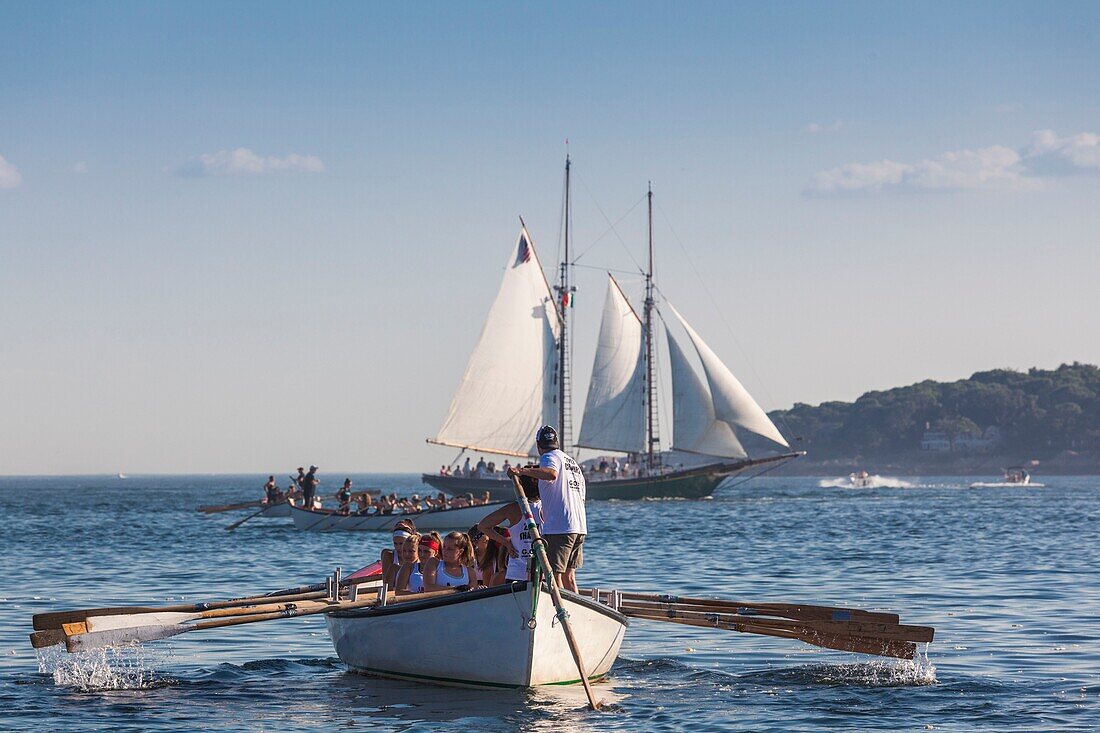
309, 487
562, 489
271, 491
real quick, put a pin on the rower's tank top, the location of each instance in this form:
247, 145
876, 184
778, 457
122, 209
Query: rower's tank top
442, 577
416, 579
519, 568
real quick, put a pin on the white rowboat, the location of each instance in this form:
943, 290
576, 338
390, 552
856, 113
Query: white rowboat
462, 518
447, 641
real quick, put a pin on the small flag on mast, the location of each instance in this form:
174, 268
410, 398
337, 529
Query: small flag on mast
524, 252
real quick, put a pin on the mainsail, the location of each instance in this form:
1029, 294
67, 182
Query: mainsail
731, 403
509, 386
614, 413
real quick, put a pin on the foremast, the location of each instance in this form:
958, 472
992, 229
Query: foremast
653, 439
565, 292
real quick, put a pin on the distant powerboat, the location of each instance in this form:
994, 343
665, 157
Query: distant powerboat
861, 480
122, 475
1013, 477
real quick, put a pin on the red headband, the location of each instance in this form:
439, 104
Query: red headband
431, 543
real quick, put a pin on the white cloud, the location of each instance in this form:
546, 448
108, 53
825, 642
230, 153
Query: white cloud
9, 174
1049, 154
813, 128
996, 167
243, 161
80, 167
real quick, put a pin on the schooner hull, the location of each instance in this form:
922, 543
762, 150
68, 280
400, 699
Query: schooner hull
689, 483
479, 639
440, 519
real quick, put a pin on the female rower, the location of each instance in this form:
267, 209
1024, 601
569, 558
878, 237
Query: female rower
410, 577
455, 567
490, 557
391, 559
518, 539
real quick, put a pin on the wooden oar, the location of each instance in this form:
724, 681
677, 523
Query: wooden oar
229, 507
55, 619
897, 632
860, 644
83, 636
788, 610
793, 612
253, 516
539, 546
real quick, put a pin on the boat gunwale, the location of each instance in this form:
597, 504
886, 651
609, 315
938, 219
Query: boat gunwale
516, 586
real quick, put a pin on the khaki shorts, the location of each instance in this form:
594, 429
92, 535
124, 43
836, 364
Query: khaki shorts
566, 551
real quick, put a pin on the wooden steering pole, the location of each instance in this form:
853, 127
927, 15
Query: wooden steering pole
538, 544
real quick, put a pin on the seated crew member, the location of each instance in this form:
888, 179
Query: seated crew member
410, 576
391, 559
455, 567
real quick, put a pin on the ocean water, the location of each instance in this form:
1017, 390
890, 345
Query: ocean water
1009, 578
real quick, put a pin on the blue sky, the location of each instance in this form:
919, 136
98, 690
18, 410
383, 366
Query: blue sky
872, 193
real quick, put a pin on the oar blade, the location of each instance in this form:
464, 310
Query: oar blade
57, 619
47, 638
862, 645
78, 638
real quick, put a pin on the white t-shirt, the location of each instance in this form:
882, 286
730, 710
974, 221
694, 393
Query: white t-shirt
563, 498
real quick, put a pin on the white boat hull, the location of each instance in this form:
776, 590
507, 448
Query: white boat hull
276, 511
1006, 485
479, 639
439, 519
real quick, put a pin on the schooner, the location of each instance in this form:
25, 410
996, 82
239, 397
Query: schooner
518, 377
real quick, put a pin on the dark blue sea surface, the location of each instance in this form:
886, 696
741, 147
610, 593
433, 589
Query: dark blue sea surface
1009, 578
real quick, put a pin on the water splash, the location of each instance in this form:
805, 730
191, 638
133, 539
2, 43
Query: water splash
875, 482
917, 672
109, 668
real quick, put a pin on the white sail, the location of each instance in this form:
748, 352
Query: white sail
614, 414
694, 427
732, 403
509, 387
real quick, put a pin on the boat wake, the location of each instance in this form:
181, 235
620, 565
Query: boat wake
109, 668
872, 482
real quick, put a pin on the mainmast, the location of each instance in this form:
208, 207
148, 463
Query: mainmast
653, 440
565, 294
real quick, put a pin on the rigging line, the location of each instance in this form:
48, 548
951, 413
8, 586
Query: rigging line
722, 315
609, 269
612, 229
760, 473
612, 226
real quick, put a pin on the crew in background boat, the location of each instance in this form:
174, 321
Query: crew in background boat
466, 468
271, 491
562, 490
309, 484
344, 497
517, 541
295, 489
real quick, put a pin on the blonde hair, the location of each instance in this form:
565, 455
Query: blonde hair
414, 540
466, 556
